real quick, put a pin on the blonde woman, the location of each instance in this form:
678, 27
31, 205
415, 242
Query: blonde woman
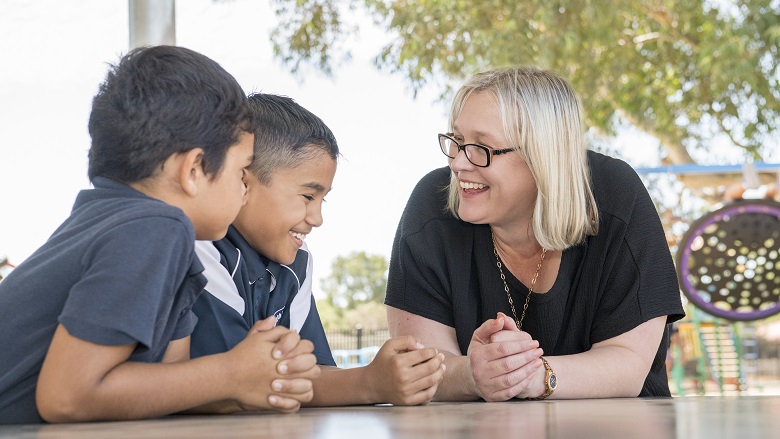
540, 269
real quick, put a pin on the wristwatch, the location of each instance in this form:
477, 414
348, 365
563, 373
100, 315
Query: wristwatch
550, 381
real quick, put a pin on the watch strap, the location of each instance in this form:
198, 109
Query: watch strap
550, 381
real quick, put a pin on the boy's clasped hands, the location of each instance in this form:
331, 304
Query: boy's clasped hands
274, 369
404, 372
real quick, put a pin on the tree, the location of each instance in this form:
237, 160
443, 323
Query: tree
684, 71
354, 293
370, 316
355, 279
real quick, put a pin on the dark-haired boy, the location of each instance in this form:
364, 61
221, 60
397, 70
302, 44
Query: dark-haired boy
95, 324
262, 268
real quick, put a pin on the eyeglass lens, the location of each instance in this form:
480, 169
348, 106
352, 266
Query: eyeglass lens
474, 153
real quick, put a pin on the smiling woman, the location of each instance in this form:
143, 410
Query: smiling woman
532, 219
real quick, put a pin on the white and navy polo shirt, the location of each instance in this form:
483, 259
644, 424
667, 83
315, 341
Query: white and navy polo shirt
245, 287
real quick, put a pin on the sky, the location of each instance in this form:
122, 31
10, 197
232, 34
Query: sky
54, 54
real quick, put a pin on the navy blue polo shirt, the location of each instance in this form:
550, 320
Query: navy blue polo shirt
120, 270
245, 287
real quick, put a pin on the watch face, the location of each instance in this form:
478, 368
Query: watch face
553, 381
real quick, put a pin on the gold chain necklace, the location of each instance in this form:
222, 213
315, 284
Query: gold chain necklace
518, 322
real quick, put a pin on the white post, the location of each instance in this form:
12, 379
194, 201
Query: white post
152, 22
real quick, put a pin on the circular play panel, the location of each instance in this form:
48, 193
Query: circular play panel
728, 261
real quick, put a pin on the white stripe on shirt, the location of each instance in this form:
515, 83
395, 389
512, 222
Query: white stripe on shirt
219, 283
301, 304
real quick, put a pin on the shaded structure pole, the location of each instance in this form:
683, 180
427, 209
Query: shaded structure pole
152, 22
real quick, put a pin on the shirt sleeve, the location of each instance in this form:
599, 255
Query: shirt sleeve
638, 281
415, 283
304, 317
419, 277
313, 331
219, 310
185, 326
131, 276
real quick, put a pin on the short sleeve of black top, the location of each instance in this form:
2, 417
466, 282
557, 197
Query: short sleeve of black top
443, 269
120, 270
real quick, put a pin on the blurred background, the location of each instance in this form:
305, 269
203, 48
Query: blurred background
686, 92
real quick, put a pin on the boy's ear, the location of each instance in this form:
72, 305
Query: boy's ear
191, 171
250, 180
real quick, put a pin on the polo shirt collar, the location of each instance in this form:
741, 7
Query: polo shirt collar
256, 264
102, 185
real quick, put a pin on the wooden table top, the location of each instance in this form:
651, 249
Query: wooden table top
686, 417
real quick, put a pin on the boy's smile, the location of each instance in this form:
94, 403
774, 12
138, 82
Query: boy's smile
298, 237
278, 215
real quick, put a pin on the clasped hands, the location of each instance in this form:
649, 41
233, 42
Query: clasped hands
273, 369
504, 361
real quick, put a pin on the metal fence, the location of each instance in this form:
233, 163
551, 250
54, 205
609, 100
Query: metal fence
356, 339
356, 347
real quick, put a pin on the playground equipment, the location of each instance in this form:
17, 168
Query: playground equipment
728, 264
5, 267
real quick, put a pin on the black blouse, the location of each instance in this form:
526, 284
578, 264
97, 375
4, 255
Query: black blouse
444, 269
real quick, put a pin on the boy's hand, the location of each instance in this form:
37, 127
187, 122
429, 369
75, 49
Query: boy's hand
288, 346
404, 372
265, 382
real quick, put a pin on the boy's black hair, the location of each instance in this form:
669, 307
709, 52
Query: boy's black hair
159, 101
286, 134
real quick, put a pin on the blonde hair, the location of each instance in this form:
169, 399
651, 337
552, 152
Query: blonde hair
542, 119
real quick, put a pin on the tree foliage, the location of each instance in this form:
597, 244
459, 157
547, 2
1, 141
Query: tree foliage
370, 316
684, 71
355, 279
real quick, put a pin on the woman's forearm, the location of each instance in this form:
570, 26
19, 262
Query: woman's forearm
613, 368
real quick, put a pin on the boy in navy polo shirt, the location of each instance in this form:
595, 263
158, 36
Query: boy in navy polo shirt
263, 268
95, 324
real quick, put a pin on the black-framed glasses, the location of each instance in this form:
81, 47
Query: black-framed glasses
478, 155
